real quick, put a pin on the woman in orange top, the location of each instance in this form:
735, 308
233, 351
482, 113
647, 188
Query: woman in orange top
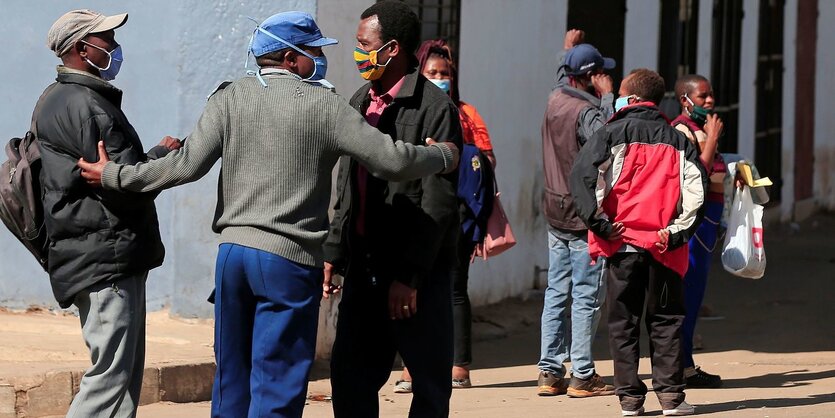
436, 65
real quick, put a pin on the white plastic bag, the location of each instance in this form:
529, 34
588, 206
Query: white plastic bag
743, 254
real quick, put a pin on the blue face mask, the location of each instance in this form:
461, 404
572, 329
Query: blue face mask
622, 102
320, 63
321, 68
114, 61
442, 84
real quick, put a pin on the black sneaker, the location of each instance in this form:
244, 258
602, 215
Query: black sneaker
703, 379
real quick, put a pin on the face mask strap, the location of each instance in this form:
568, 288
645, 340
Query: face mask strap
109, 56
378, 51
692, 105
266, 32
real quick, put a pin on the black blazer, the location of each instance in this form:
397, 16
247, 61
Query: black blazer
412, 227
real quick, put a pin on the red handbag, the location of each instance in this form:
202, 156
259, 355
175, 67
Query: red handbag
499, 237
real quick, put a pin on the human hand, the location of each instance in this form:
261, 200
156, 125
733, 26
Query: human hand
617, 231
602, 83
663, 239
91, 172
402, 301
713, 127
328, 287
456, 154
573, 37
171, 143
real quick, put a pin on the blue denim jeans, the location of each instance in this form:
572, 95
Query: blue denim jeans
572, 282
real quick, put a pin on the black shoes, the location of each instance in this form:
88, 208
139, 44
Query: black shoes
703, 379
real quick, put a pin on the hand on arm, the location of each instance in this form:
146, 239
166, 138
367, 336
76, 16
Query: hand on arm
171, 143
91, 172
456, 154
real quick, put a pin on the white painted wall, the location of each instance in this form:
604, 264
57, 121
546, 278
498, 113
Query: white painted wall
824, 177
789, 87
704, 43
641, 34
338, 19
507, 66
748, 78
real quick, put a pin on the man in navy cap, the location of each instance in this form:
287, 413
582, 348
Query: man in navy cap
278, 135
579, 105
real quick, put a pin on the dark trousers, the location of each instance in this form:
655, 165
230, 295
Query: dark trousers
367, 340
695, 281
462, 313
633, 279
266, 313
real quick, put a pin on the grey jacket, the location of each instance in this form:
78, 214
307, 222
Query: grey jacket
278, 146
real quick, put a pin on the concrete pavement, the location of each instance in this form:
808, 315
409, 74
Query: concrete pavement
775, 349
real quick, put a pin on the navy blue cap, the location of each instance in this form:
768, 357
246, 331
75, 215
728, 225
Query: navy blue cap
297, 28
584, 58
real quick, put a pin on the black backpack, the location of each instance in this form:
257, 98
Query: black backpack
20, 195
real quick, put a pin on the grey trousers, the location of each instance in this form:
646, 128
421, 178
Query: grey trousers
113, 325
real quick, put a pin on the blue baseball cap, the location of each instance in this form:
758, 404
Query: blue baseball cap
298, 28
583, 58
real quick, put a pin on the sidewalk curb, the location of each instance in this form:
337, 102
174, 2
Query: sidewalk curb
50, 393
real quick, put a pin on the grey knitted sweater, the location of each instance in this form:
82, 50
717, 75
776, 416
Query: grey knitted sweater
278, 146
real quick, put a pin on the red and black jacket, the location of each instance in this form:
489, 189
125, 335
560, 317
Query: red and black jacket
642, 172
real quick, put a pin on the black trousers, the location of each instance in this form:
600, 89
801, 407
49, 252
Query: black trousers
635, 278
367, 340
462, 312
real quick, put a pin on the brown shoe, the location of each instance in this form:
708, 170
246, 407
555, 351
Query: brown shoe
593, 386
549, 384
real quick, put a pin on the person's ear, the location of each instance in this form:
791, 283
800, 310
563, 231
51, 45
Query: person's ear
682, 101
394, 48
291, 58
81, 48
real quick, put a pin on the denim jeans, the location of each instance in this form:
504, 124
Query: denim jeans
572, 282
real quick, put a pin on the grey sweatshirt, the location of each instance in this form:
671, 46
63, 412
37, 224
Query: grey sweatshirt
278, 147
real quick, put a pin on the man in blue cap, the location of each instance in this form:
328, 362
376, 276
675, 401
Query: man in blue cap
580, 104
279, 135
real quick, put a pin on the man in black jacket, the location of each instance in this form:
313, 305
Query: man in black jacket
102, 243
395, 242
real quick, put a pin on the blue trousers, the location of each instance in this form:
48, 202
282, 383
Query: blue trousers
576, 291
266, 317
695, 281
